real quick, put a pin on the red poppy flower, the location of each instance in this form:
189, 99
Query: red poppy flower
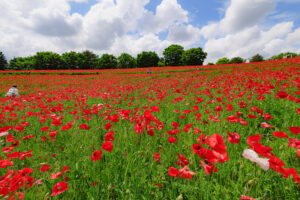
150, 132
266, 125
53, 133
233, 138
294, 143
218, 108
64, 169
294, 130
229, 107
59, 188
173, 172
175, 125
97, 154
251, 116
208, 167
196, 148
186, 127
184, 173
280, 134
216, 142
45, 129
172, 139
253, 139
108, 126
243, 197
107, 146
267, 116
6, 163
232, 119
55, 175
157, 157
182, 160
84, 126
56, 123
282, 94
19, 128
45, 168
109, 136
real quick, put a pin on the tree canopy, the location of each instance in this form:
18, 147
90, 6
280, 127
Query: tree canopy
257, 58
147, 59
193, 56
3, 61
284, 55
107, 61
223, 61
237, 60
126, 61
46, 60
173, 54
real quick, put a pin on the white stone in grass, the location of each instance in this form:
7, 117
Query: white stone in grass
253, 157
3, 133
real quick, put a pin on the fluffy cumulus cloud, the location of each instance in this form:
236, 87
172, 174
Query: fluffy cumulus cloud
109, 26
116, 26
239, 33
239, 15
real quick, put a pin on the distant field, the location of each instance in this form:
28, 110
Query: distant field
178, 133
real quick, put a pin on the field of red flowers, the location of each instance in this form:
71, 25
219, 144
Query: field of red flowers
230, 132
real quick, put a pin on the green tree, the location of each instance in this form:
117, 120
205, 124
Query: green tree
160, 64
147, 59
71, 60
257, 58
126, 61
284, 55
47, 60
237, 60
210, 63
173, 54
193, 56
3, 61
107, 61
89, 60
223, 61
21, 63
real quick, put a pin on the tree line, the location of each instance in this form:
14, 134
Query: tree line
255, 58
174, 55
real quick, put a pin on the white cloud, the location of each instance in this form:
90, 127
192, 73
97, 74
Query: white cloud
185, 35
116, 26
111, 26
239, 33
251, 41
239, 15
168, 13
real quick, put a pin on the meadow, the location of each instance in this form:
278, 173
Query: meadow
178, 133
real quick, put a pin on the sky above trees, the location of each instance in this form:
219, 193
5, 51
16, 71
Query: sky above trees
226, 28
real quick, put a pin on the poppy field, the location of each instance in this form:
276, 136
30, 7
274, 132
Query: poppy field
229, 132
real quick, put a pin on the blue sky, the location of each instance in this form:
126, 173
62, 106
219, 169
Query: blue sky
202, 12
225, 28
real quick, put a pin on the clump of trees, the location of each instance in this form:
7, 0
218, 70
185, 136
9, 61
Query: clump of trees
3, 61
174, 55
234, 60
223, 61
257, 58
147, 59
284, 55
